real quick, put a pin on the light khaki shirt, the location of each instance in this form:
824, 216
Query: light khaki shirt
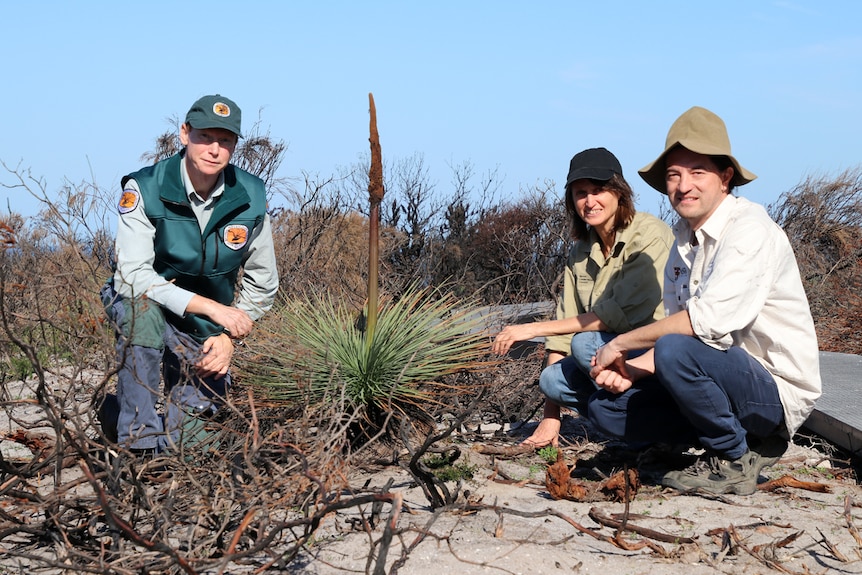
624, 289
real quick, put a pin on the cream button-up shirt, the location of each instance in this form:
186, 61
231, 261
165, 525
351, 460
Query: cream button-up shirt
737, 276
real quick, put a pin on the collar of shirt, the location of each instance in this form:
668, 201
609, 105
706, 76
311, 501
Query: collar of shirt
193, 196
594, 245
710, 230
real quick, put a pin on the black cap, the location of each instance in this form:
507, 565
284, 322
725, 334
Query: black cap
593, 164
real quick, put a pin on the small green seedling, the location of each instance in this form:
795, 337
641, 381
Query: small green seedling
549, 453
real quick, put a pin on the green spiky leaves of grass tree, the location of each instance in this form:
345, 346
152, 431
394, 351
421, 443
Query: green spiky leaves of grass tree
315, 350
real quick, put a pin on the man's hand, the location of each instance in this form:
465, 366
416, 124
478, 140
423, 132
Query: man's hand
217, 352
235, 321
509, 336
611, 380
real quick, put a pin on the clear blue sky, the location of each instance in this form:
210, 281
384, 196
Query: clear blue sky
513, 85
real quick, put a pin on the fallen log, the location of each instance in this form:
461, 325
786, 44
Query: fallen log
504, 450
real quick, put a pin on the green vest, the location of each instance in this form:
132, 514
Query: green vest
206, 263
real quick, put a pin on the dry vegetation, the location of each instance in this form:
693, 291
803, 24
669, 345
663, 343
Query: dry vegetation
253, 496
823, 218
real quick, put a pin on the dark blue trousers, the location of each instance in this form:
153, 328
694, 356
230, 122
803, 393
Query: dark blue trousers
698, 394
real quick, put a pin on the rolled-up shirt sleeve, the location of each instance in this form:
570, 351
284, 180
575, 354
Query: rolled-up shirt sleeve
732, 291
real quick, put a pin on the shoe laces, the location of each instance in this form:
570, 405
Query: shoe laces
708, 464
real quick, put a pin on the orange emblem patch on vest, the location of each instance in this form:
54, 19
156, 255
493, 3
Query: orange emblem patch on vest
128, 201
235, 237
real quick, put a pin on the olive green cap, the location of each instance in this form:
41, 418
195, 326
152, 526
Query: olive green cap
215, 111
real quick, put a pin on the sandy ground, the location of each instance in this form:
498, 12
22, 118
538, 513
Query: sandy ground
789, 530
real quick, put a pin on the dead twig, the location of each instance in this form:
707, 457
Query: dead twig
848, 517
500, 476
832, 548
129, 531
435, 490
789, 481
422, 534
601, 518
756, 553
504, 450
386, 539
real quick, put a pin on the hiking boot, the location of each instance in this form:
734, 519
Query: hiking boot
718, 476
108, 414
197, 434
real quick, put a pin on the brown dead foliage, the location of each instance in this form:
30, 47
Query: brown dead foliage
822, 216
790, 481
621, 486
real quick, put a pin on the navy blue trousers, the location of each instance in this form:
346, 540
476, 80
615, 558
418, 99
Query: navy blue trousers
699, 394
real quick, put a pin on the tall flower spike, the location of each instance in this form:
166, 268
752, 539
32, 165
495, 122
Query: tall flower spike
375, 197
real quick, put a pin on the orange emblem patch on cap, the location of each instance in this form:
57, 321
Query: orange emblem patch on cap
235, 237
221, 109
128, 201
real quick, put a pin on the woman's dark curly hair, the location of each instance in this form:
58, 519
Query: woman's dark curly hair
625, 213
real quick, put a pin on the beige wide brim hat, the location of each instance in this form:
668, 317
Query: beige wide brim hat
700, 131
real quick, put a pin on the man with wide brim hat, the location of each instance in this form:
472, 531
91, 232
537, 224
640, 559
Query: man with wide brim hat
734, 367
701, 131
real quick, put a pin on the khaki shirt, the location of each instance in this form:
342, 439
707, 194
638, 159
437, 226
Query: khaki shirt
625, 289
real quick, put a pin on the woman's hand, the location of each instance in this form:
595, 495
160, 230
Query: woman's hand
510, 335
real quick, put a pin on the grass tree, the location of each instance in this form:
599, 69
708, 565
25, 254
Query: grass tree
392, 363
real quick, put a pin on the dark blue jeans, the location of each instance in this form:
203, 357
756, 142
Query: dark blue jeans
698, 394
567, 382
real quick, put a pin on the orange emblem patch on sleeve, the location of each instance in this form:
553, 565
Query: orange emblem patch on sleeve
235, 237
129, 200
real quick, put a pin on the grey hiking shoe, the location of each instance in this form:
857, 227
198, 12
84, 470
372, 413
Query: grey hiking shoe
715, 475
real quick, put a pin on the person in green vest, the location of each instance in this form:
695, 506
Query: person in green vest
187, 227
734, 367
